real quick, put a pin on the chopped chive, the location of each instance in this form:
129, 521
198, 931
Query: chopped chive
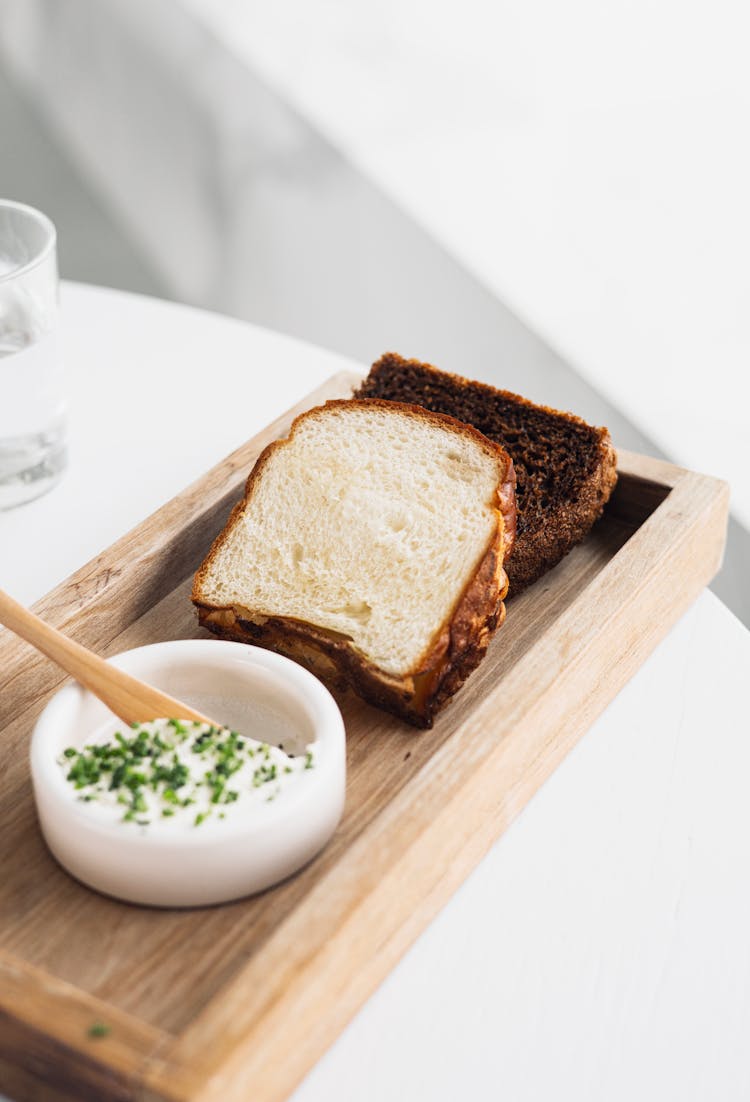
146, 775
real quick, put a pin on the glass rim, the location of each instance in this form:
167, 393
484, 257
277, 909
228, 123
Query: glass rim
48, 247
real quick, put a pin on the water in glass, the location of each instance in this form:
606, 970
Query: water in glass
32, 397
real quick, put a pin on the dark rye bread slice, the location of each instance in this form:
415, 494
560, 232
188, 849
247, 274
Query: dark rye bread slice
565, 468
369, 547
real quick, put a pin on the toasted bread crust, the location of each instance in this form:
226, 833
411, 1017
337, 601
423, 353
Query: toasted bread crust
452, 654
538, 546
416, 698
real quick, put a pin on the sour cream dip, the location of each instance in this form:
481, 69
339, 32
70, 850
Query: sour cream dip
173, 774
174, 814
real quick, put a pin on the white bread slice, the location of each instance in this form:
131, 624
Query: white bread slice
369, 546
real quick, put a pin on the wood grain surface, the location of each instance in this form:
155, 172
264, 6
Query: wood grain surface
238, 1001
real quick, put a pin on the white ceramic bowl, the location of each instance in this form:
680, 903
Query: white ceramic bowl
261, 694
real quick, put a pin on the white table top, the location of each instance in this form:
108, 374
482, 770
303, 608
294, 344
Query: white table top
600, 950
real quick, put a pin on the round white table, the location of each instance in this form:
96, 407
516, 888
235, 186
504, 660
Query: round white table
601, 948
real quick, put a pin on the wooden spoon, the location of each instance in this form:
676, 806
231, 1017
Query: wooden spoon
126, 696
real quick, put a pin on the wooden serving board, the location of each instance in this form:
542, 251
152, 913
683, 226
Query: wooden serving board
230, 1003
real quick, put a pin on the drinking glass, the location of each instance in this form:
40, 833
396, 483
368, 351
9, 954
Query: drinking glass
32, 398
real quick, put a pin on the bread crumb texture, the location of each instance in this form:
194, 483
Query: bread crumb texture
365, 522
565, 468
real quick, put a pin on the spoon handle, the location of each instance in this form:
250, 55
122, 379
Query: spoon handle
130, 699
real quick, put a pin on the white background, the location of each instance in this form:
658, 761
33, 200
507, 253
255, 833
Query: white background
588, 161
